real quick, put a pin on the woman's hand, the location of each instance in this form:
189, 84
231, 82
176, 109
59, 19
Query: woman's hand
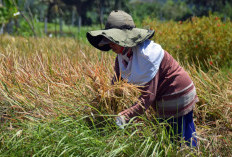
120, 121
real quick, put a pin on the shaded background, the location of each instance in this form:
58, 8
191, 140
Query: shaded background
67, 17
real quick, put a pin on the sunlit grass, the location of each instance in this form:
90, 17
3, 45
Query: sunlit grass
73, 137
56, 98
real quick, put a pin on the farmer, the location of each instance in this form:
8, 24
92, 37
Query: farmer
167, 88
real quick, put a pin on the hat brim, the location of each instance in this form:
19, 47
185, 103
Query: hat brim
122, 37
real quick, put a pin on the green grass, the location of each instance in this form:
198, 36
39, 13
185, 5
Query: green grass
53, 30
49, 85
68, 136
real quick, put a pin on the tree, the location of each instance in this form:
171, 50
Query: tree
141, 10
175, 10
227, 11
82, 6
202, 7
8, 11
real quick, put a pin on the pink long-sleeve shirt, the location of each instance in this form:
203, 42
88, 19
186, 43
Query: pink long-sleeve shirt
170, 93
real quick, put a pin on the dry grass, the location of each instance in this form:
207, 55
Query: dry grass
45, 78
213, 112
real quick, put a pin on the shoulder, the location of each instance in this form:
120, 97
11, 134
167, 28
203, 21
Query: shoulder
150, 50
148, 45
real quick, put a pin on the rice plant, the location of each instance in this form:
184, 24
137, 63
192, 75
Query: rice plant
57, 99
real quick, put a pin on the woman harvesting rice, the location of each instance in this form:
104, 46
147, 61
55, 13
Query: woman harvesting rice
167, 88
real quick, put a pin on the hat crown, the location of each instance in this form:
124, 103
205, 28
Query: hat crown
119, 19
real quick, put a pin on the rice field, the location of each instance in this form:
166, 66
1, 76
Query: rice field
56, 99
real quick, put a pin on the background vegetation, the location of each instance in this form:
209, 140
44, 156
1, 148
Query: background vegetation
56, 97
31, 17
203, 41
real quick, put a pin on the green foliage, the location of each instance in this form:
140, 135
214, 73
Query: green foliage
175, 10
170, 10
203, 7
25, 30
140, 11
204, 40
227, 11
7, 11
74, 137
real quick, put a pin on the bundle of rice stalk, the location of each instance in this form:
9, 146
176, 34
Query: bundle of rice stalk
105, 97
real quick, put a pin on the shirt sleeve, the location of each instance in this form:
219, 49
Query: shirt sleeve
146, 99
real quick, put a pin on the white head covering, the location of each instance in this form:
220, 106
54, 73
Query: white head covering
143, 65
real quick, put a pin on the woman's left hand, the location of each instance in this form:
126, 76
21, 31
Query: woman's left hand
120, 121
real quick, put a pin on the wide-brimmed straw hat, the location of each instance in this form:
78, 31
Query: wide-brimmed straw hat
119, 29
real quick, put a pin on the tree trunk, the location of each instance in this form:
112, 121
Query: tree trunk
2, 25
79, 23
2, 29
101, 16
17, 25
61, 25
55, 28
45, 25
9, 27
117, 5
73, 16
100, 6
41, 15
49, 12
